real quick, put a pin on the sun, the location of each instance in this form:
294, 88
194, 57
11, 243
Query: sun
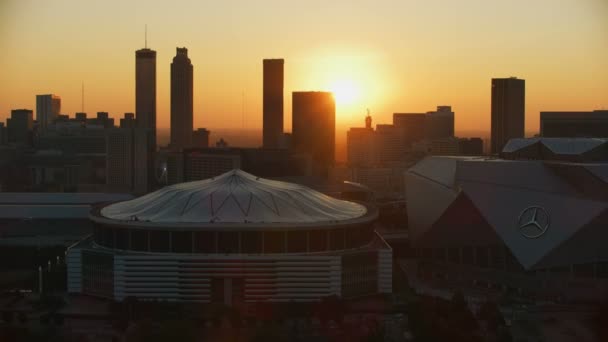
345, 92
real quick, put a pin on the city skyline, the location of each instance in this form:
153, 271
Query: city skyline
347, 170
390, 66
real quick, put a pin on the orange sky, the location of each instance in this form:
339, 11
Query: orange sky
402, 56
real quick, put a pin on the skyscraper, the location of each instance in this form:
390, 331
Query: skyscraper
145, 90
360, 144
48, 108
574, 124
181, 100
412, 127
508, 111
388, 144
440, 124
200, 138
19, 127
145, 104
128, 121
126, 159
314, 127
273, 102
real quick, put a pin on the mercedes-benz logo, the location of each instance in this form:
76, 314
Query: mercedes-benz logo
533, 222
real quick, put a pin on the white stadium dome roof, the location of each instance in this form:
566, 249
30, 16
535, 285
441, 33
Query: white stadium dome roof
235, 197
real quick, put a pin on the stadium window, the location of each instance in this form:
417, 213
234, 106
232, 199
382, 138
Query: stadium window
336, 239
122, 238
108, 237
181, 242
251, 242
317, 240
481, 256
98, 234
204, 242
454, 255
139, 240
228, 242
274, 242
296, 241
467, 255
159, 241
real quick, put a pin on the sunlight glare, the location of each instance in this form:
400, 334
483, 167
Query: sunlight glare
345, 91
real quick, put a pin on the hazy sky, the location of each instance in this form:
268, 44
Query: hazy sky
399, 56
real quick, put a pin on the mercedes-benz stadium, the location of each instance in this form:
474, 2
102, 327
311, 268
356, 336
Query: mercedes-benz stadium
232, 238
536, 227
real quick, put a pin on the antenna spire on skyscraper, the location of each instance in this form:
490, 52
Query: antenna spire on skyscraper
82, 98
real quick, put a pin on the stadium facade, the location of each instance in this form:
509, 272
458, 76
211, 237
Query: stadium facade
231, 239
534, 223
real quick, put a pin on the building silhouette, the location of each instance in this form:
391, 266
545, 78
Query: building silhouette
126, 160
145, 103
273, 102
3, 134
360, 144
314, 127
200, 138
81, 116
102, 119
470, 146
181, 100
388, 144
574, 124
128, 121
412, 127
48, 108
440, 123
19, 127
145, 90
508, 111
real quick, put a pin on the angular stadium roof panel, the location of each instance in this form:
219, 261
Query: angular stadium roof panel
503, 207
519, 143
506, 192
599, 171
572, 146
559, 146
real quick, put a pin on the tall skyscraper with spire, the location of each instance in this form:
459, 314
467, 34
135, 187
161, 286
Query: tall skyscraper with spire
273, 102
145, 89
145, 105
181, 100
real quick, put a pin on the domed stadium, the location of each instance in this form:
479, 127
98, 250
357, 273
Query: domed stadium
232, 238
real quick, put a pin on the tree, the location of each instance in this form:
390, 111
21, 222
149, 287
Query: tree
269, 332
331, 308
7, 316
458, 302
489, 312
58, 319
22, 318
376, 335
601, 321
131, 303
